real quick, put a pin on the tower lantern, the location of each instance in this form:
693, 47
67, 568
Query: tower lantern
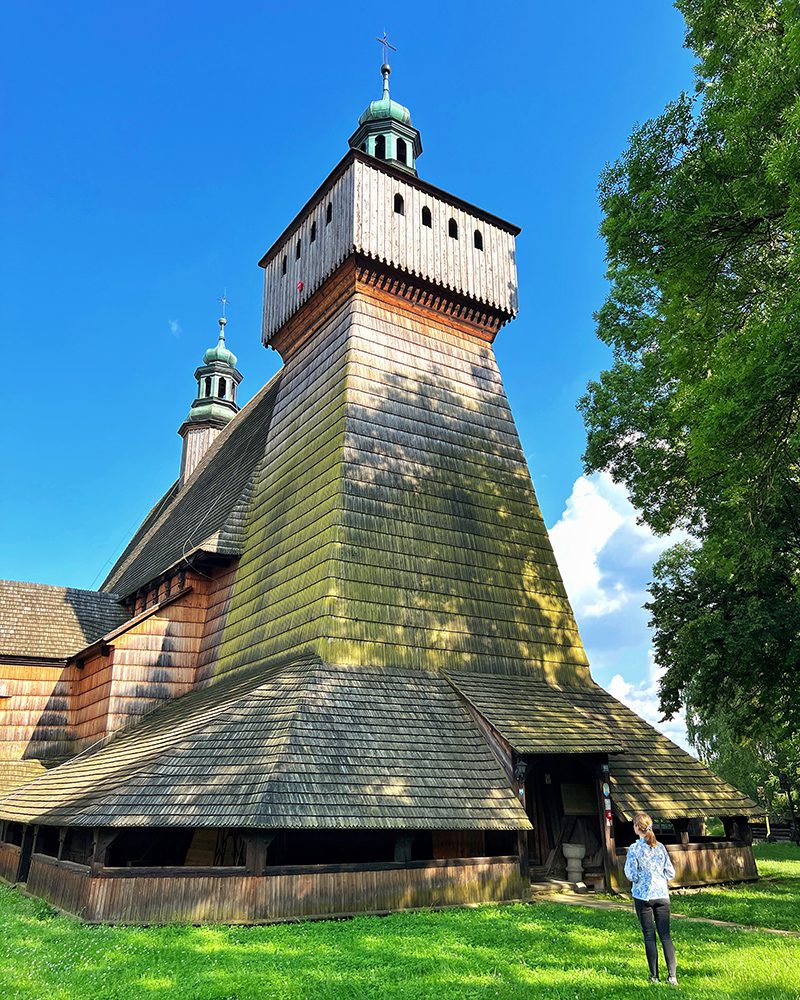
385, 130
215, 406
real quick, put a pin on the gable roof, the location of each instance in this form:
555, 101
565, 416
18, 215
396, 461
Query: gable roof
208, 512
649, 773
296, 744
38, 620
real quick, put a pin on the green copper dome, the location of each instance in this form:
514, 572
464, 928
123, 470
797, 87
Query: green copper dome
385, 131
385, 108
220, 352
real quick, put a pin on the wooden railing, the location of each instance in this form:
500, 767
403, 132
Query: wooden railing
228, 895
708, 862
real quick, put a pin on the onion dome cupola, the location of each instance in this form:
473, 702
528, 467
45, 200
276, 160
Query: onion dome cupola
215, 406
385, 131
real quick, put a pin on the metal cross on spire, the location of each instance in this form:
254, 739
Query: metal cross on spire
225, 301
386, 46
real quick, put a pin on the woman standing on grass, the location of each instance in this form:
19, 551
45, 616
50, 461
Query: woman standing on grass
649, 868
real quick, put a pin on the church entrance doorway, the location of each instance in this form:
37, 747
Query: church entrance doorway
562, 802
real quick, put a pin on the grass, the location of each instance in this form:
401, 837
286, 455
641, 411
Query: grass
773, 902
543, 950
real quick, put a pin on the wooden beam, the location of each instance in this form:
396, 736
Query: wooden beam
603, 784
256, 845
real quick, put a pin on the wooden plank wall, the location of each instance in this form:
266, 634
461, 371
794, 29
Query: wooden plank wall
488, 275
220, 897
9, 861
34, 710
286, 573
703, 864
153, 661
156, 660
317, 260
365, 221
220, 591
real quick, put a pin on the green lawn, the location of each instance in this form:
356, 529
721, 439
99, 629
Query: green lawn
542, 950
772, 902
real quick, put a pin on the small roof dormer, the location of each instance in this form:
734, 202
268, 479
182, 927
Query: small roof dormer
385, 131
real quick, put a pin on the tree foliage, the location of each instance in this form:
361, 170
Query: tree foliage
699, 414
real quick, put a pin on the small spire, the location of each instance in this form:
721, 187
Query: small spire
386, 69
222, 324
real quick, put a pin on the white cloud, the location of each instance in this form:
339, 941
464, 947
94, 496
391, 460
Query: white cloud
606, 559
643, 699
174, 328
604, 554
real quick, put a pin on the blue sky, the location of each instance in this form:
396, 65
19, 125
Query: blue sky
154, 151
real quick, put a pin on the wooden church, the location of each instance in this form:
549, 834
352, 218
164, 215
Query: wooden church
335, 670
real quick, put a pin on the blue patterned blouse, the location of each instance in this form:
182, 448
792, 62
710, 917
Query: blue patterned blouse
649, 869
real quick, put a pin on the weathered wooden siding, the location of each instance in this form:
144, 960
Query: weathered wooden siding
33, 710
151, 662
317, 260
156, 660
365, 222
488, 275
702, 864
443, 557
394, 522
9, 861
228, 896
196, 442
220, 592
62, 883
285, 578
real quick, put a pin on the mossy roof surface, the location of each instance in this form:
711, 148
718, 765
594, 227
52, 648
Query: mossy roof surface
649, 773
38, 620
208, 512
298, 744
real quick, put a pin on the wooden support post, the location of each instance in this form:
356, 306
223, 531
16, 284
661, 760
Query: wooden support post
402, 847
681, 828
741, 830
607, 826
255, 848
523, 837
62, 836
28, 839
101, 842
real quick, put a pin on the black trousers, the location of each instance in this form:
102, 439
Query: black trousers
653, 915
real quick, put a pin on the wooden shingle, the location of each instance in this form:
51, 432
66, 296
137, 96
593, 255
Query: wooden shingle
299, 744
649, 773
37, 620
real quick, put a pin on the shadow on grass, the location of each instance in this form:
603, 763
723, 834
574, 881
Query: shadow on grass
508, 952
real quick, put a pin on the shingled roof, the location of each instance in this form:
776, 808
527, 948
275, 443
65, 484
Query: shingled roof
649, 773
38, 620
299, 744
208, 513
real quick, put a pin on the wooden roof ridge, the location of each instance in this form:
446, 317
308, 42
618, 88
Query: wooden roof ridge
202, 508
43, 621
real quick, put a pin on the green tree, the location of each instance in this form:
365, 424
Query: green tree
699, 413
767, 767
